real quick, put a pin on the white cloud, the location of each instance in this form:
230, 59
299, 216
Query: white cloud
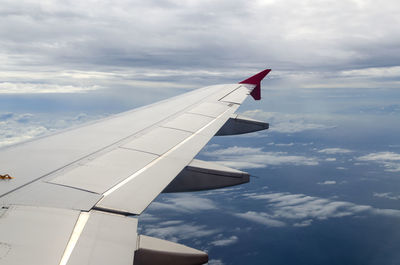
225, 242
332, 151
215, 262
387, 195
146, 217
178, 232
290, 144
261, 218
286, 123
330, 159
303, 223
183, 203
327, 182
19, 127
29, 88
302, 210
249, 157
15, 128
381, 156
390, 160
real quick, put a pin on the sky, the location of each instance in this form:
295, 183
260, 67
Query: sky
325, 186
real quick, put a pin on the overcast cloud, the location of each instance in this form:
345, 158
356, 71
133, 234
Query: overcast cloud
319, 43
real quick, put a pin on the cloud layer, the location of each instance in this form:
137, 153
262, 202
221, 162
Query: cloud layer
389, 160
330, 44
287, 123
250, 157
19, 127
301, 210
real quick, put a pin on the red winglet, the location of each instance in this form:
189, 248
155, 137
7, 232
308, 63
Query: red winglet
256, 80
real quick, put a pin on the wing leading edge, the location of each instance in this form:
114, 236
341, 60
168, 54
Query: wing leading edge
80, 198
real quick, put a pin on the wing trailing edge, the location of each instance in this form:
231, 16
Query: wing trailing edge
256, 80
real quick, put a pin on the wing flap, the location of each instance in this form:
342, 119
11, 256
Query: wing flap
209, 109
35, 235
237, 96
134, 194
158, 141
104, 172
54, 152
112, 239
49, 195
188, 122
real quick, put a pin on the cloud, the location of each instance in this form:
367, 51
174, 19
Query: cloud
303, 223
225, 242
301, 210
19, 127
332, 151
58, 42
387, 195
215, 262
287, 123
330, 159
250, 157
178, 232
146, 217
15, 128
389, 160
261, 218
327, 182
29, 88
183, 203
312, 35
290, 144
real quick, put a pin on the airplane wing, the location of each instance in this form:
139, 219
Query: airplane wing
72, 197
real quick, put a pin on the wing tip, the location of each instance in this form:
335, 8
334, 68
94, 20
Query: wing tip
256, 80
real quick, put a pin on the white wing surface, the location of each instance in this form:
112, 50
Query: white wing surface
72, 197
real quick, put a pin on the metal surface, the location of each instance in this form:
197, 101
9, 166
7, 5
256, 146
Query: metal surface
139, 190
58, 150
188, 122
106, 239
239, 125
35, 235
51, 207
202, 175
158, 141
106, 171
157, 251
210, 109
50, 195
237, 96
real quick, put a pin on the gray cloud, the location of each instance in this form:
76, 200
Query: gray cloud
202, 41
